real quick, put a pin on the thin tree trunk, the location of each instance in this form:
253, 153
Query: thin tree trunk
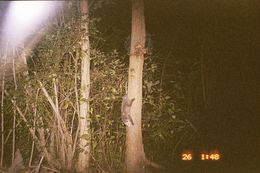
84, 123
14, 119
2, 114
202, 74
135, 157
2, 121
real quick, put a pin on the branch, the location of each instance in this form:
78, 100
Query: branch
152, 164
56, 111
43, 149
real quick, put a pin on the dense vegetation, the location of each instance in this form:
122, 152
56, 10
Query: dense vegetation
52, 83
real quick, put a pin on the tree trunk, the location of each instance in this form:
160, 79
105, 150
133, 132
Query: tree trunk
84, 123
134, 145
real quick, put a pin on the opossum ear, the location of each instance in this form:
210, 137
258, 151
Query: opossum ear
132, 100
131, 120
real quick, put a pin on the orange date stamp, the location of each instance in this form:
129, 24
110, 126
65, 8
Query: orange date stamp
213, 155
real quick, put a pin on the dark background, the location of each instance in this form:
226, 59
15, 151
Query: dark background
231, 31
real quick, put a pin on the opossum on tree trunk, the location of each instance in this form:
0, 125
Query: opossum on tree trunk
126, 111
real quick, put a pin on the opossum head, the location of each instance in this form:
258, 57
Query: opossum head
127, 120
128, 123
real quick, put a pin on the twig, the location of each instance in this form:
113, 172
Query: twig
17, 108
57, 113
34, 124
202, 74
11, 131
39, 165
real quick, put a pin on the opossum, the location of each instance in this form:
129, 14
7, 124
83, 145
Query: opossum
126, 111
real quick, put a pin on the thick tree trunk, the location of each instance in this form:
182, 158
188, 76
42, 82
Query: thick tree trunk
84, 124
134, 145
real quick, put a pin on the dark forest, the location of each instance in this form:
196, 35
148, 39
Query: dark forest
141, 86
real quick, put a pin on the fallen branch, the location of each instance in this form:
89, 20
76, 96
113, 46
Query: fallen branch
152, 164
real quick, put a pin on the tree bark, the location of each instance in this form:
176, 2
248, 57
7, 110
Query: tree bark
84, 123
135, 157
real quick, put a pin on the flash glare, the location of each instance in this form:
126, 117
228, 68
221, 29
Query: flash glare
24, 18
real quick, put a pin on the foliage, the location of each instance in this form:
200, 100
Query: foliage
108, 87
55, 66
164, 127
